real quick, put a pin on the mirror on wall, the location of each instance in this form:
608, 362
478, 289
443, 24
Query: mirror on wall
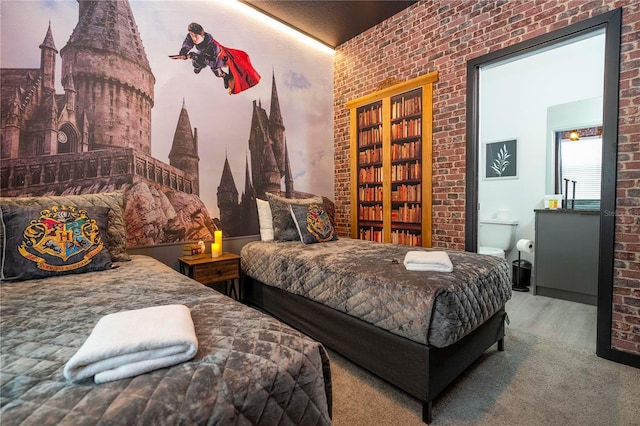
538, 128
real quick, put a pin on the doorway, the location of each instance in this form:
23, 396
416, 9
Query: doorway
610, 23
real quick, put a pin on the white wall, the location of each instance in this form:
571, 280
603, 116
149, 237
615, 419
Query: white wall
515, 98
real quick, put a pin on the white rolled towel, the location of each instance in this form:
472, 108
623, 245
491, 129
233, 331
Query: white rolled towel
428, 261
129, 343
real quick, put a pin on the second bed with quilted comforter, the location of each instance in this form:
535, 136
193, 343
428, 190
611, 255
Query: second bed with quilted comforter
419, 330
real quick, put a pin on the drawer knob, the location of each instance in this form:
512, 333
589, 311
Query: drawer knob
219, 272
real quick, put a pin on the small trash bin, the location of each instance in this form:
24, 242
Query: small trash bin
524, 270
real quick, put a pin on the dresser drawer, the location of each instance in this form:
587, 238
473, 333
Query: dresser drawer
214, 272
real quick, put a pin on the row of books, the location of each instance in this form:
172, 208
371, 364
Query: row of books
370, 193
370, 212
408, 150
407, 193
403, 151
406, 238
397, 237
371, 234
371, 155
408, 171
406, 128
369, 116
371, 174
409, 213
405, 107
369, 136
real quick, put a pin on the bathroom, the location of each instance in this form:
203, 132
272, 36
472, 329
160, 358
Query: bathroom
530, 100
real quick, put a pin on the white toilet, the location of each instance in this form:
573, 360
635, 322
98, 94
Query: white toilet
496, 236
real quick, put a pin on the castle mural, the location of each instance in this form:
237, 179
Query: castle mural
95, 135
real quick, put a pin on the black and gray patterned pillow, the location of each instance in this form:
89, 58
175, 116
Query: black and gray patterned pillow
330, 208
116, 236
58, 240
284, 228
313, 223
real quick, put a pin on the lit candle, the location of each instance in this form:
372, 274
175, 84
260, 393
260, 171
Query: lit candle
218, 240
215, 250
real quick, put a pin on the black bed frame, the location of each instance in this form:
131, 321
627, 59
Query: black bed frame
420, 370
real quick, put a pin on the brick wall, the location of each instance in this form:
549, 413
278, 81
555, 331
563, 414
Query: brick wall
442, 36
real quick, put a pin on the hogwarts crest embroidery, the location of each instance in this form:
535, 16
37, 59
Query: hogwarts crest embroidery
318, 223
63, 238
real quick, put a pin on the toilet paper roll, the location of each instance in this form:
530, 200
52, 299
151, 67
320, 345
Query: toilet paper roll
525, 246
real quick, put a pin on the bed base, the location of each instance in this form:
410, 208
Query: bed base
423, 371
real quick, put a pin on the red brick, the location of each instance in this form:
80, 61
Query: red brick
443, 37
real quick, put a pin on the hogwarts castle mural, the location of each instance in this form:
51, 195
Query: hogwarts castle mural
113, 113
269, 167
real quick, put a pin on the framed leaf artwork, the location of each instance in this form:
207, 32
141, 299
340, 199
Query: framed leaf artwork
501, 159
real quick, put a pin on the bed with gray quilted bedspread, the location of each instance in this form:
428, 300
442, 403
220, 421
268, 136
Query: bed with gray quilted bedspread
369, 281
249, 368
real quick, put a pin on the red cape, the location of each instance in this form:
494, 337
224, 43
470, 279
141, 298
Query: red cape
240, 68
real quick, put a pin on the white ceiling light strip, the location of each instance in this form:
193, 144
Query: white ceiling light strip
254, 13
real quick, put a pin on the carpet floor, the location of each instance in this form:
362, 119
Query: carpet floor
535, 381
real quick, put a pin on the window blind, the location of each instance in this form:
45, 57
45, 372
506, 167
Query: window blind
582, 162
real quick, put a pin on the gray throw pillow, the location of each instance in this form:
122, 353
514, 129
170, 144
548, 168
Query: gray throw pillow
284, 228
115, 238
58, 240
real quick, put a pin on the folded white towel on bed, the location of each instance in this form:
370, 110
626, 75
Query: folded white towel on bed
129, 343
428, 261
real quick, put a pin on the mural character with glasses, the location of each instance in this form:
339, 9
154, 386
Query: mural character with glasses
232, 65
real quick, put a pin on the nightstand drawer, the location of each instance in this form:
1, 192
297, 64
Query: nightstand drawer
216, 271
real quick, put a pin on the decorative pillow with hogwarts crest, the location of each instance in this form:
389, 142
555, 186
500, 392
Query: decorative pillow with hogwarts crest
59, 240
313, 223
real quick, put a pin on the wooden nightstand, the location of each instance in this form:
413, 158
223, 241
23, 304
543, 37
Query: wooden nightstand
210, 270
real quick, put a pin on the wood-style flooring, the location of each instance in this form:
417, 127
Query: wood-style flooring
554, 319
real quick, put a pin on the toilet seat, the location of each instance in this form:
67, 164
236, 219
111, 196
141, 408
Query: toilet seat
491, 251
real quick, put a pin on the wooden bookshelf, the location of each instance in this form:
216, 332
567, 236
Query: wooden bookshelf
391, 142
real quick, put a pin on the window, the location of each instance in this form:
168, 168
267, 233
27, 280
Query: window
580, 161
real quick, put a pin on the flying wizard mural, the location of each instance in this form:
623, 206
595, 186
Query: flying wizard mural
232, 65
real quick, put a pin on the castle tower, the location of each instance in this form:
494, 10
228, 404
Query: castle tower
48, 54
11, 130
184, 150
249, 193
248, 210
258, 138
276, 126
227, 198
269, 159
288, 178
270, 171
112, 75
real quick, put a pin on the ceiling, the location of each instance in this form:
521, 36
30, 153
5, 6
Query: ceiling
331, 22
